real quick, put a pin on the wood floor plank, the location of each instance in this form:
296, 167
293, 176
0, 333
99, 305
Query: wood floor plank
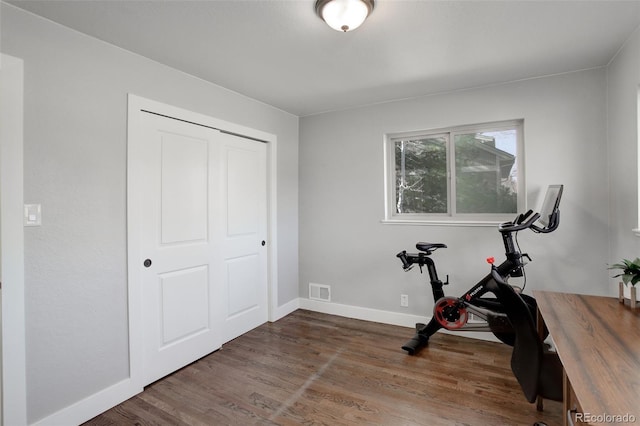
316, 369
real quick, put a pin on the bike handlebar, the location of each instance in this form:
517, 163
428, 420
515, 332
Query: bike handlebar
554, 221
403, 258
523, 216
517, 224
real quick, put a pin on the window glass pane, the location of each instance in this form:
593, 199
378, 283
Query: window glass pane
421, 175
486, 172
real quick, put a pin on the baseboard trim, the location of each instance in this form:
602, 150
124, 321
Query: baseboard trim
358, 312
91, 406
284, 310
384, 317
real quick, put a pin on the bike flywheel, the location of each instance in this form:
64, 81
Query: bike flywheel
450, 313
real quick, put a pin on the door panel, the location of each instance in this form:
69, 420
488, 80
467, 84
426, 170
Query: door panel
189, 287
245, 223
181, 294
244, 284
184, 189
244, 191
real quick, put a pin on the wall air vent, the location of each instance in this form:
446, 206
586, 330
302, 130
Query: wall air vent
320, 292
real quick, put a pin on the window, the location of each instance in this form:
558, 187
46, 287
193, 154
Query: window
468, 173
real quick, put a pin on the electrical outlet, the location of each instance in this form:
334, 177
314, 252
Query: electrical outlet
404, 300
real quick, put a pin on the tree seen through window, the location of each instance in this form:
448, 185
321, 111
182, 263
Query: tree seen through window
482, 166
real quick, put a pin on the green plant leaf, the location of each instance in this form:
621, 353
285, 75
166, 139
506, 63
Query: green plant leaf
630, 271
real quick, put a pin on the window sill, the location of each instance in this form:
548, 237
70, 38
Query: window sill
442, 222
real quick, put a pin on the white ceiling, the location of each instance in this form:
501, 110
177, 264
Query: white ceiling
281, 53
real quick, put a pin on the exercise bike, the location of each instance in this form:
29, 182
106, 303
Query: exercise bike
452, 313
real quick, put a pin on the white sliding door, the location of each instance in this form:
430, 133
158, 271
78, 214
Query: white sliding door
202, 265
180, 297
245, 224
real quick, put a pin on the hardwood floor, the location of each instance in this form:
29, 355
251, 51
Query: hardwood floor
316, 369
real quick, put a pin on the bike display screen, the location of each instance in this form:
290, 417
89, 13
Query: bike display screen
550, 204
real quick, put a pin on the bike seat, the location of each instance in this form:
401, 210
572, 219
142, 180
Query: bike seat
429, 247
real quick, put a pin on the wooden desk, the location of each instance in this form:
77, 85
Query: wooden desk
598, 341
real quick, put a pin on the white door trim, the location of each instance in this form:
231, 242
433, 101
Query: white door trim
14, 393
134, 216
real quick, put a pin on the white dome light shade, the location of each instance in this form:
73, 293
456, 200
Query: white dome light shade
344, 15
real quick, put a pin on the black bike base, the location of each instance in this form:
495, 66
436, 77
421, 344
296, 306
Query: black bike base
421, 338
415, 344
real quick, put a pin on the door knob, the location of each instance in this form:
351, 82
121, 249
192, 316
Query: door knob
263, 243
147, 263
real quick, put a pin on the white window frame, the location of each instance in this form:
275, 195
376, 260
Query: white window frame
636, 231
451, 217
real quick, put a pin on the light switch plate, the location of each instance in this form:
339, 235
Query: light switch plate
32, 215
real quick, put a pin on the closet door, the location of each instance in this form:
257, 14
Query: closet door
204, 273
180, 293
244, 191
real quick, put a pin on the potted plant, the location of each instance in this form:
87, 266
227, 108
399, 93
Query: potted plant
630, 275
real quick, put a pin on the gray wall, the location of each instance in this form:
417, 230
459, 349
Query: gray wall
344, 244
623, 85
75, 166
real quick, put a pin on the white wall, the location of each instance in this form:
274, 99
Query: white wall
623, 84
343, 243
75, 99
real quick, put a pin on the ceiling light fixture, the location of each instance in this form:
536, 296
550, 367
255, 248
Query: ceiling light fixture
344, 15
